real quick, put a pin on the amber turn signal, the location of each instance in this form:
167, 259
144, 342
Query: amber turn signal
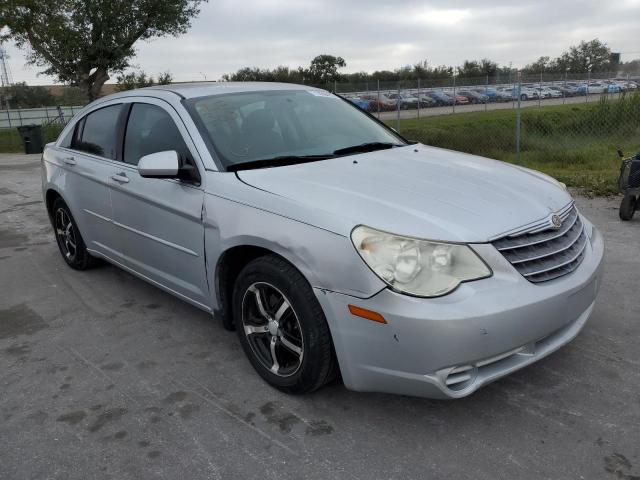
368, 314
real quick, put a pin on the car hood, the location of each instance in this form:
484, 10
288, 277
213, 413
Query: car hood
416, 190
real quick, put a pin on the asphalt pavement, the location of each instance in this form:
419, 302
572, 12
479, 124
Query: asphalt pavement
103, 376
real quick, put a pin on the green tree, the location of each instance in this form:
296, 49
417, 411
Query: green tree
82, 41
594, 55
21, 95
131, 80
541, 65
324, 69
478, 69
488, 67
165, 78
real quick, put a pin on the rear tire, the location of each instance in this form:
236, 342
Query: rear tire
70, 242
281, 326
627, 207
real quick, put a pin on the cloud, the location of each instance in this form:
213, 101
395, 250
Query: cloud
376, 34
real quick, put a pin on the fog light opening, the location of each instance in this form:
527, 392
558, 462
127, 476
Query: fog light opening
460, 377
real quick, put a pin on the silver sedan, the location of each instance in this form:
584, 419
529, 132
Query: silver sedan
330, 243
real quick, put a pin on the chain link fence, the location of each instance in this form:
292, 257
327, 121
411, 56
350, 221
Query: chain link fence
37, 116
563, 124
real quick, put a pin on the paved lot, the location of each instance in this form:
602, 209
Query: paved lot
104, 376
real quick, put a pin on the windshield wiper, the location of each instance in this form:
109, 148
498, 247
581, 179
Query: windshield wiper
366, 147
277, 162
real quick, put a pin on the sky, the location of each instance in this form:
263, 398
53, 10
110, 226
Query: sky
374, 34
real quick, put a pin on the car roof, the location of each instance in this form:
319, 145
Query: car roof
203, 89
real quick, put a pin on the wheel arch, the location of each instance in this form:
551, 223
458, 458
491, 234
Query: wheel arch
229, 265
50, 197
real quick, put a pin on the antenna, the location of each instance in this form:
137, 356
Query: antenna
5, 71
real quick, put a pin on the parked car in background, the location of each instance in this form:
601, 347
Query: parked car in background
472, 96
494, 94
547, 92
566, 90
596, 87
613, 87
626, 86
358, 101
502, 96
526, 93
441, 98
459, 99
425, 101
334, 247
406, 100
379, 102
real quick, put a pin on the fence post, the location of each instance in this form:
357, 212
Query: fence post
8, 117
378, 99
418, 98
540, 91
454, 92
398, 111
518, 119
19, 117
486, 96
588, 83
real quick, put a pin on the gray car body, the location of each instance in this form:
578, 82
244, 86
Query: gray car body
181, 238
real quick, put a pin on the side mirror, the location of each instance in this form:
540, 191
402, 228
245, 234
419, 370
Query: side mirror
159, 165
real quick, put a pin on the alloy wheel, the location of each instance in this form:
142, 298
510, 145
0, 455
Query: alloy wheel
272, 329
65, 233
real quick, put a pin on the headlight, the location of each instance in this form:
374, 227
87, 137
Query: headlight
417, 267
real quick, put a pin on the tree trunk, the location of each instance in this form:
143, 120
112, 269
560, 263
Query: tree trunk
92, 84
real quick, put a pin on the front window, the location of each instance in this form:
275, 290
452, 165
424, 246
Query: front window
250, 127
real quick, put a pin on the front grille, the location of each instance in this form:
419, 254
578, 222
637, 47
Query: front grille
542, 254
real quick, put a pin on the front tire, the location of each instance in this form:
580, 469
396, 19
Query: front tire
281, 326
70, 242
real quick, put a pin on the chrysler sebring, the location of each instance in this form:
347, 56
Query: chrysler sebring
331, 244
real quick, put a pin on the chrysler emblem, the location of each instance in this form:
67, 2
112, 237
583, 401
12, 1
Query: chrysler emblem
556, 221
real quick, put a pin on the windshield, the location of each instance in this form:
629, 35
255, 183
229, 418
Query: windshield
258, 126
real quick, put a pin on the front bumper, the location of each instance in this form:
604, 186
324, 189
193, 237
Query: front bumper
484, 330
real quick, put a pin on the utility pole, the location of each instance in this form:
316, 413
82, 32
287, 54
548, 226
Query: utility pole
5, 77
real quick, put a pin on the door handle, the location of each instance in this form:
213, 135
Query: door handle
120, 177
69, 160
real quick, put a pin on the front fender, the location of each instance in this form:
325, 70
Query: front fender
327, 260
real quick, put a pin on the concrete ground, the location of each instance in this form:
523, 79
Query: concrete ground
105, 376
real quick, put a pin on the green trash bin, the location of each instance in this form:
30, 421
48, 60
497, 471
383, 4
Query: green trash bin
31, 138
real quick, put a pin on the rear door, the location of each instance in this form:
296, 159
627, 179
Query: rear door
87, 156
159, 221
